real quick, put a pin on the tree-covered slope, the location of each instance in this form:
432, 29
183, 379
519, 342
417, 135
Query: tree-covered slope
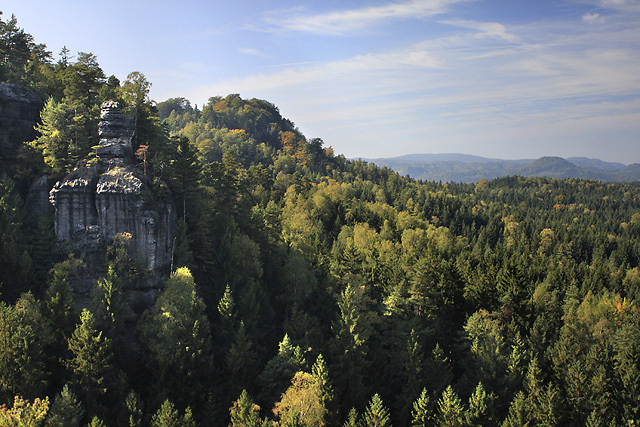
308, 289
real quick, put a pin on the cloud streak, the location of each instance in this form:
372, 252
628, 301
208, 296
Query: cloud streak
357, 20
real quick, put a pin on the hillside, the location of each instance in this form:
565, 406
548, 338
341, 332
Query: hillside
290, 285
466, 168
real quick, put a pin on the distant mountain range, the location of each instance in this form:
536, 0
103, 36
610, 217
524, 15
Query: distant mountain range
467, 168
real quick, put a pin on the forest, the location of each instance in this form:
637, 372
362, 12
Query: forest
308, 289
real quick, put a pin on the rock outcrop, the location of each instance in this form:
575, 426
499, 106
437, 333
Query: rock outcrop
108, 195
19, 113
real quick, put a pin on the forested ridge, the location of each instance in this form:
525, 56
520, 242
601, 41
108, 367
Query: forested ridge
308, 289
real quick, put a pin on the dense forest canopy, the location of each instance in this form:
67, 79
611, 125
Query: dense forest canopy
309, 289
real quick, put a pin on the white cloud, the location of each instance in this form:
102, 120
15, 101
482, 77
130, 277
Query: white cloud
592, 18
252, 52
357, 20
485, 29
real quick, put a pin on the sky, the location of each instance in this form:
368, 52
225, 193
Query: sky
507, 79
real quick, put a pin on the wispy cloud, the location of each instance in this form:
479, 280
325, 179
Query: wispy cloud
356, 20
485, 29
252, 52
487, 82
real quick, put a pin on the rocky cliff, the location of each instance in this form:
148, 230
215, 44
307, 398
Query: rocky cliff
19, 113
107, 195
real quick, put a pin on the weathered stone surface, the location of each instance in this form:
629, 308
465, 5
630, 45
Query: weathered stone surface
37, 200
114, 127
19, 113
104, 197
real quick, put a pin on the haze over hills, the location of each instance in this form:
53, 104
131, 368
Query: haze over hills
455, 167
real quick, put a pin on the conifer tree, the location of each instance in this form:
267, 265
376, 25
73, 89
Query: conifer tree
24, 334
377, 415
96, 422
108, 304
244, 413
89, 363
133, 407
59, 308
319, 370
66, 410
450, 410
177, 335
353, 420
478, 413
422, 415
166, 416
241, 360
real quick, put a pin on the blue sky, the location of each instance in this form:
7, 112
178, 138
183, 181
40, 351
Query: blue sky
508, 79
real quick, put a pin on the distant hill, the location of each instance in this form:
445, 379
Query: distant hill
453, 167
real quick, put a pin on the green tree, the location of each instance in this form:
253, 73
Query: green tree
90, 360
422, 415
478, 413
353, 420
133, 406
66, 410
65, 135
350, 344
241, 360
96, 422
15, 263
168, 416
279, 371
177, 334
377, 415
244, 413
108, 305
186, 170
24, 334
450, 409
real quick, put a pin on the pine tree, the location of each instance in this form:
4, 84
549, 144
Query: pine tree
90, 359
59, 308
450, 410
241, 360
479, 413
319, 370
96, 422
108, 304
352, 419
66, 410
422, 415
133, 406
519, 412
166, 416
177, 334
244, 413
24, 335
376, 414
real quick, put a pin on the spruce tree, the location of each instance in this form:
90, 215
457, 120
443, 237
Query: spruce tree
450, 410
377, 415
66, 410
422, 415
89, 363
244, 413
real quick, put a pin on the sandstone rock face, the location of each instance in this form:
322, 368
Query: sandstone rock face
109, 195
19, 113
